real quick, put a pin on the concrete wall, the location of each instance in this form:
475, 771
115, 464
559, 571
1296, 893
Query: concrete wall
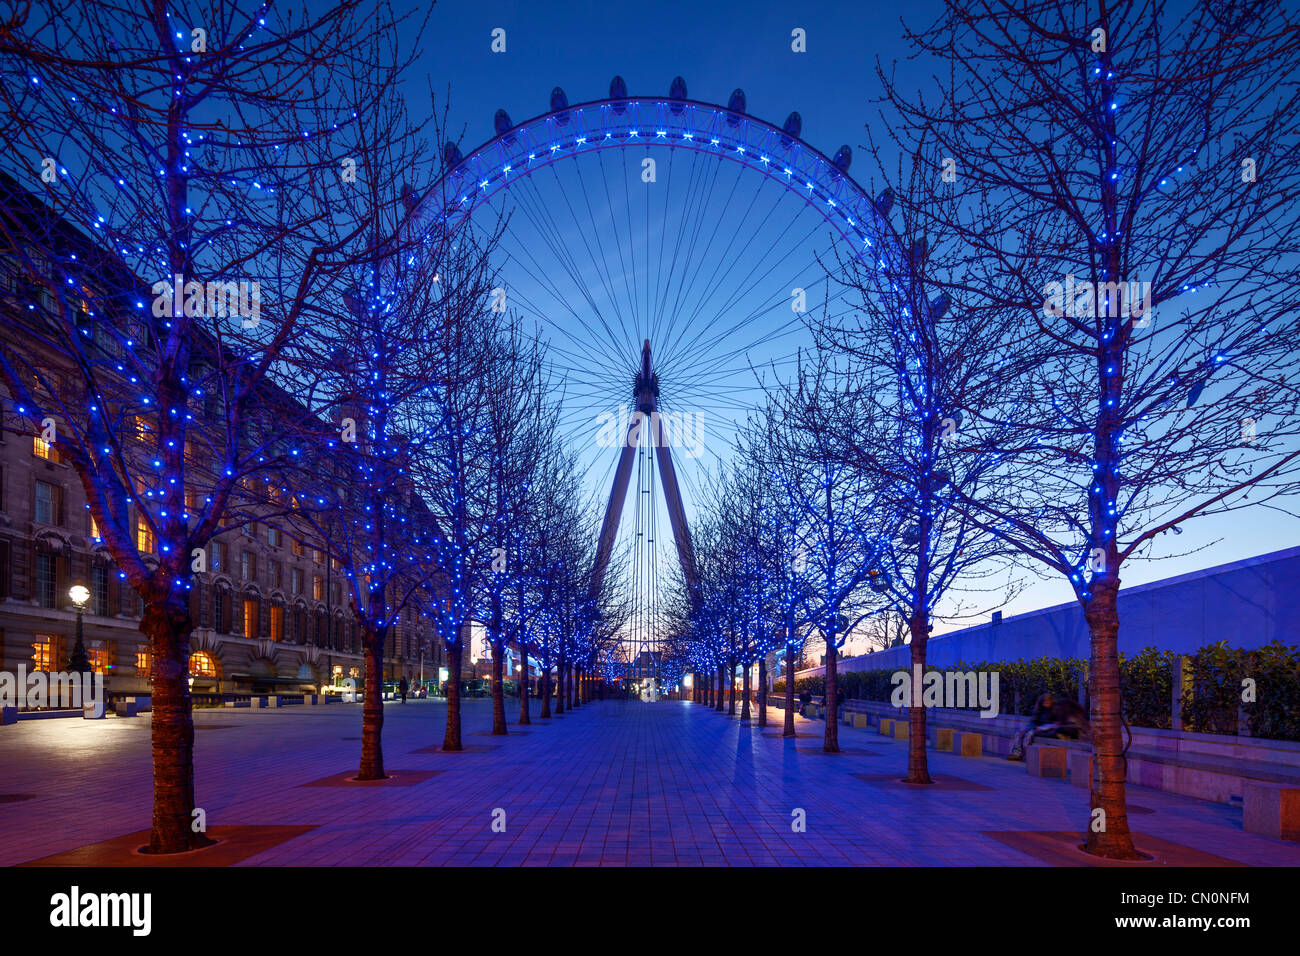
1247, 603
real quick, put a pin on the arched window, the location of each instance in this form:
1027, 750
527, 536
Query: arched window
202, 664
252, 617
276, 622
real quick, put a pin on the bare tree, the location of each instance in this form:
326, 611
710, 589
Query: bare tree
914, 362
1129, 181
189, 155
517, 443
833, 505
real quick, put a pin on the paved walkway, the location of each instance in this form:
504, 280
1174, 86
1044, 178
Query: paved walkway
613, 783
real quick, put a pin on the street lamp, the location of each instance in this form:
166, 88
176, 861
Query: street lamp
79, 663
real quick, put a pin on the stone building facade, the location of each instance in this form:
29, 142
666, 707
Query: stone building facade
270, 610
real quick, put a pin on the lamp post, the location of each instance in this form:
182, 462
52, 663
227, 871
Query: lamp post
79, 662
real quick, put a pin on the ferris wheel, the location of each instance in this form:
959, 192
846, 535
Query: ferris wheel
666, 250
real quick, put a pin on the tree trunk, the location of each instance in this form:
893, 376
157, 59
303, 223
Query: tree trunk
744, 697
788, 729
168, 629
1108, 832
722, 693
731, 681
498, 691
575, 688
523, 688
559, 689
918, 768
832, 740
546, 690
451, 740
372, 709
762, 691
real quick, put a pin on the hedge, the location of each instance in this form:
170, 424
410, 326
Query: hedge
1210, 701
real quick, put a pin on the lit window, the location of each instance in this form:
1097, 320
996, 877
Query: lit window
318, 587
202, 664
144, 540
43, 654
251, 621
44, 449
142, 428
94, 529
144, 665
97, 654
277, 623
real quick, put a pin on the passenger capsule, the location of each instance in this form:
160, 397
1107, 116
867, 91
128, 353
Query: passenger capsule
677, 93
735, 107
502, 122
793, 127
617, 92
559, 104
843, 157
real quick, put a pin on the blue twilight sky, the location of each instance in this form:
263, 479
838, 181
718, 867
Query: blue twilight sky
716, 46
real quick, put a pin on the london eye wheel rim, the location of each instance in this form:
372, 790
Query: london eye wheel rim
657, 122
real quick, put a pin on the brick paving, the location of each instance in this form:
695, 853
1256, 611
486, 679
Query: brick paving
614, 783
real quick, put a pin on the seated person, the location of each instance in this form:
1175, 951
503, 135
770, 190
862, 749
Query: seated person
1054, 716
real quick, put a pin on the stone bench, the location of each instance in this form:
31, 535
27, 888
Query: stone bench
1045, 760
902, 730
886, 726
1205, 776
960, 742
1271, 809
1080, 762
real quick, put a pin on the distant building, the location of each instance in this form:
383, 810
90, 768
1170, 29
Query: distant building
270, 612
1247, 603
